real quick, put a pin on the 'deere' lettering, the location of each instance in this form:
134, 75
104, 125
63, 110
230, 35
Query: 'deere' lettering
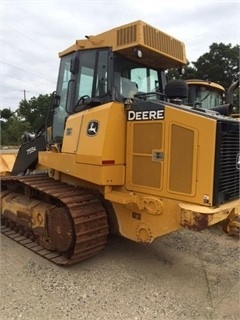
145, 115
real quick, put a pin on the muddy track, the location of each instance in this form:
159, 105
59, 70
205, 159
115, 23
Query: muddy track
80, 211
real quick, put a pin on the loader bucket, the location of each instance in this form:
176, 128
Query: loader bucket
7, 160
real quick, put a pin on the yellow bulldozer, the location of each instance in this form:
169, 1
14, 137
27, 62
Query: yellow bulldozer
210, 95
124, 155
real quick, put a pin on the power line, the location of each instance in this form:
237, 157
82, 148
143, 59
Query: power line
5, 25
43, 76
29, 55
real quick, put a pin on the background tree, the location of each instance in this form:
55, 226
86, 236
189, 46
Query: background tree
190, 72
12, 128
35, 111
30, 116
219, 65
6, 114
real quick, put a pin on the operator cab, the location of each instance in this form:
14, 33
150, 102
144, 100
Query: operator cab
124, 63
204, 94
92, 77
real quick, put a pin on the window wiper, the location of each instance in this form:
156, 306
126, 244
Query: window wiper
144, 95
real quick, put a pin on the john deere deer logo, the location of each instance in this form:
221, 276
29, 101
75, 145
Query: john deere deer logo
92, 128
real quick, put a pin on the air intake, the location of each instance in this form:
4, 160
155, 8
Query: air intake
159, 49
127, 35
163, 42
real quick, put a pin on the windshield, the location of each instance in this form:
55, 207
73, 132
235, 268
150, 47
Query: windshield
206, 97
132, 78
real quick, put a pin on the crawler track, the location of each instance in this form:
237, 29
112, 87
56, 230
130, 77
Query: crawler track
77, 210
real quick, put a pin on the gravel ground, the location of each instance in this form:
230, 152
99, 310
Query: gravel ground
185, 275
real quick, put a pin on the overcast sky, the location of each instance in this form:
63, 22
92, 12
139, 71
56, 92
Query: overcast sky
33, 32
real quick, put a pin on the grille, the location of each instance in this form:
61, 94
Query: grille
152, 40
127, 35
163, 42
226, 185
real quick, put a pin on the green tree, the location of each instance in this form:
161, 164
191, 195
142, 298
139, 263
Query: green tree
35, 111
5, 113
30, 116
12, 129
219, 65
187, 72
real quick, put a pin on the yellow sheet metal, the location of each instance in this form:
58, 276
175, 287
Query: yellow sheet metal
7, 160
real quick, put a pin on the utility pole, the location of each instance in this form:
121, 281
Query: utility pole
24, 95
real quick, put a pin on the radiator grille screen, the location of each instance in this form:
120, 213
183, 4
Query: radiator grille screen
226, 186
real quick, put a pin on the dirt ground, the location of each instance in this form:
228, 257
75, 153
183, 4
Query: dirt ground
184, 276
